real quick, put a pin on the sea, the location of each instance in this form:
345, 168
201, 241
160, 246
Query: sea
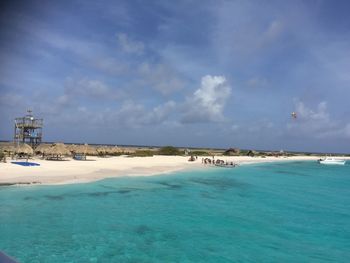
272, 212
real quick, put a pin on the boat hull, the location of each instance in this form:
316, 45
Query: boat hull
333, 162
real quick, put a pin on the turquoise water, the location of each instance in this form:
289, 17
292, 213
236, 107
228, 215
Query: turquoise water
280, 212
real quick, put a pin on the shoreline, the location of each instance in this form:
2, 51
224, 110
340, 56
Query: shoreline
72, 171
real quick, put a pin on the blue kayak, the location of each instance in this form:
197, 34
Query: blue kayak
26, 163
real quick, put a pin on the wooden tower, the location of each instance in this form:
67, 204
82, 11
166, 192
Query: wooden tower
28, 130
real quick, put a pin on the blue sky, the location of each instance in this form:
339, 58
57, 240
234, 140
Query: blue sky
190, 73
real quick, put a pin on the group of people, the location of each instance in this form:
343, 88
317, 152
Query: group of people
218, 162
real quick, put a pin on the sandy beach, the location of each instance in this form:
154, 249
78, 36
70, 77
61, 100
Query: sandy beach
72, 171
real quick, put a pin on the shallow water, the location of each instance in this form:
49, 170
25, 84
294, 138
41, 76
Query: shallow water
277, 212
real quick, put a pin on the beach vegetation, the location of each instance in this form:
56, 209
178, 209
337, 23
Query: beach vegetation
116, 153
2, 157
169, 150
200, 153
141, 153
232, 152
243, 152
101, 154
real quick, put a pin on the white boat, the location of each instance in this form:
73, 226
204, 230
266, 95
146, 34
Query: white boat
332, 160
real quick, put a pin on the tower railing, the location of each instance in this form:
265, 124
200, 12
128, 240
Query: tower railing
28, 130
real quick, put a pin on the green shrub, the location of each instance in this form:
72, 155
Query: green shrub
200, 153
101, 154
117, 154
243, 152
2, 156
169, 150
141, 153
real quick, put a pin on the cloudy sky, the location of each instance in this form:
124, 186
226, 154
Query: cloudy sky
184, 73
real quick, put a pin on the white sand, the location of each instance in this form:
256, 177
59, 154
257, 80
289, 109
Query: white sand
72, 171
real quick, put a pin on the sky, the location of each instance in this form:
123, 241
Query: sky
184, 73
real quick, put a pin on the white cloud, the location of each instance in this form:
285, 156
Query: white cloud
63, 100
86, 51
234, 128
207, 103
307, 114
159, 113
257, 82
160, 77
311, 122
260, 126
130, 115
74, 91
331, 57
316, 123
346, 130
95, 89
128, 45
110, 65
273, 31
244, 33
78, 46
11, 100
135, 115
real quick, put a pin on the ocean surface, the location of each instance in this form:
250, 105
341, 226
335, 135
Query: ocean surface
277, 212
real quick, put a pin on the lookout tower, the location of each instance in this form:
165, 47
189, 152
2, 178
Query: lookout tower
28, 129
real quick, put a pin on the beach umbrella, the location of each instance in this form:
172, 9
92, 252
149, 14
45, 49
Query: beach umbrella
79, 149
85, 149
8, 147
58, 149
24, 148
129, 150
109, 150
90, 150
116, 150
102, 150
42, 148
72, 147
